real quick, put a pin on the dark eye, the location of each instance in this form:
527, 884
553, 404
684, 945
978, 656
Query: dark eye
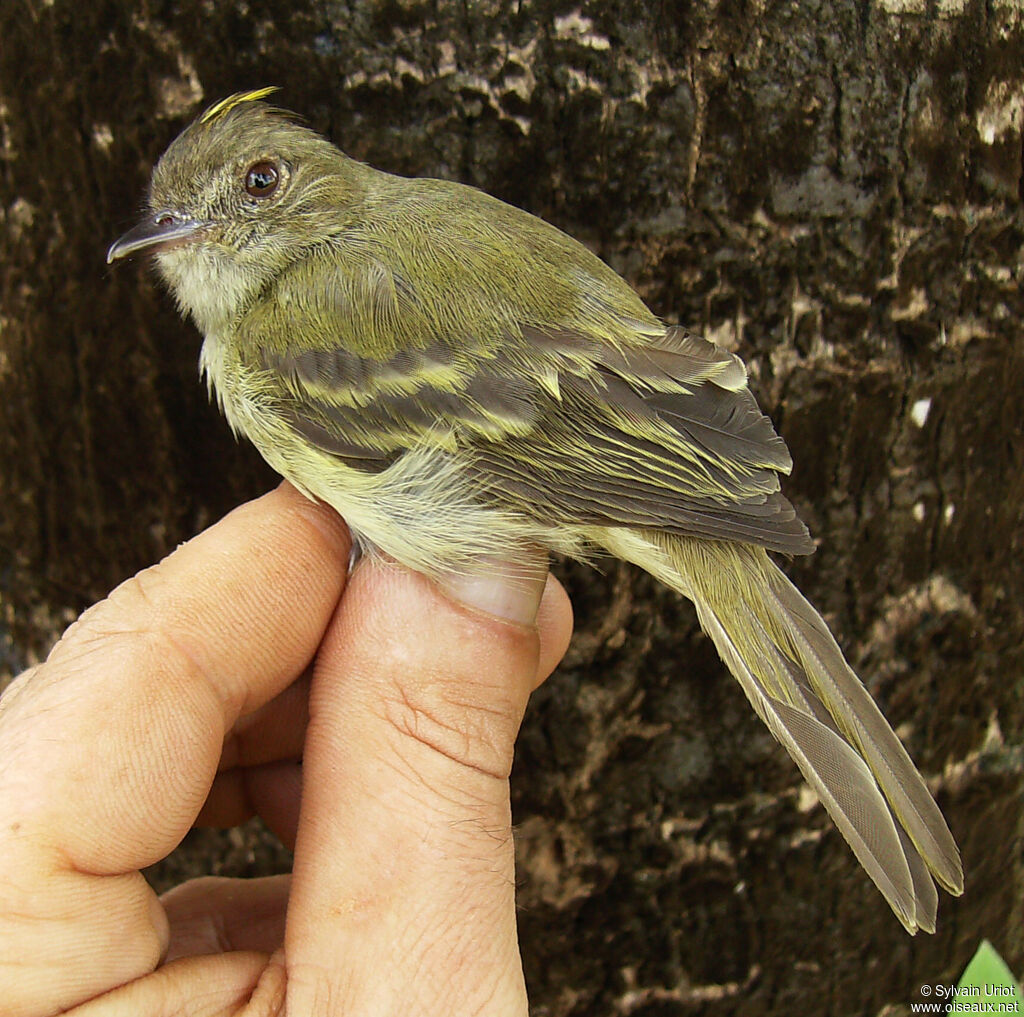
261, 179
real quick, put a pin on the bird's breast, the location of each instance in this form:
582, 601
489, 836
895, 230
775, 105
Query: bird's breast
225, 376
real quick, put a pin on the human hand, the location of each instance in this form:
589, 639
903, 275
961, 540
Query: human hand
184, 695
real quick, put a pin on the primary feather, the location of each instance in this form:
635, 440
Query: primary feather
462, 381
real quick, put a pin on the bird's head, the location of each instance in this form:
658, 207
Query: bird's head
240, 194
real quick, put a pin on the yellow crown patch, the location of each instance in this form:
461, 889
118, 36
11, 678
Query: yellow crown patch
218, 109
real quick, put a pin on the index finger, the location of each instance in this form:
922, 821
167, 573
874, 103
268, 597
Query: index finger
108, 750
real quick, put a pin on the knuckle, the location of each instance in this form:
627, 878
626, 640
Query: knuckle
472, 727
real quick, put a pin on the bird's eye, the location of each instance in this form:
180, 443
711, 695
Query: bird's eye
261, 179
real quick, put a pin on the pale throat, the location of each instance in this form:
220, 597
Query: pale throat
209, 283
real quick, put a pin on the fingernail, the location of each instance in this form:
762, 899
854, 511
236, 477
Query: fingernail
511, 591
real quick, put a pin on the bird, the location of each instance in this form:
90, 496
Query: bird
465, 383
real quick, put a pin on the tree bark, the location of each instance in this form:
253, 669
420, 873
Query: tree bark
831, 189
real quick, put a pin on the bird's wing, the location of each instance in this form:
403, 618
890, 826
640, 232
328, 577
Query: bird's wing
655, 428
663, 435
647, 437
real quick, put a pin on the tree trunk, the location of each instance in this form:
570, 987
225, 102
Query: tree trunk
831, 189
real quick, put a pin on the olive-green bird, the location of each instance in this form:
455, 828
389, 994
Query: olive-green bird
463, 382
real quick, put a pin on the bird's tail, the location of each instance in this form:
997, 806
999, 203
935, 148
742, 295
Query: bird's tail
797, 680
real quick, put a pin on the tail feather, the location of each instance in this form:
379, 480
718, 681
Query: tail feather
842, 780
925, 894
799, 683
863, 724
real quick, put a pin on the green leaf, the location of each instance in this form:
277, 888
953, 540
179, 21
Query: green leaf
988, 978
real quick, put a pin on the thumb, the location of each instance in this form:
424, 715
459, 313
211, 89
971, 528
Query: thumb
403, 888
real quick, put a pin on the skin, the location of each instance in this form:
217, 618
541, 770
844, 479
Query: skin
187, 697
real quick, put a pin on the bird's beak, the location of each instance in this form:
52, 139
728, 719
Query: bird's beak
160, 230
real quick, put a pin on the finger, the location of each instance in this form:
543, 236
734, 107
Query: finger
276, 793
258, 770
173, 658
222, 985
217, 915
274, 732
277, 730
110, 748
554, 628
404, 862
272, 792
